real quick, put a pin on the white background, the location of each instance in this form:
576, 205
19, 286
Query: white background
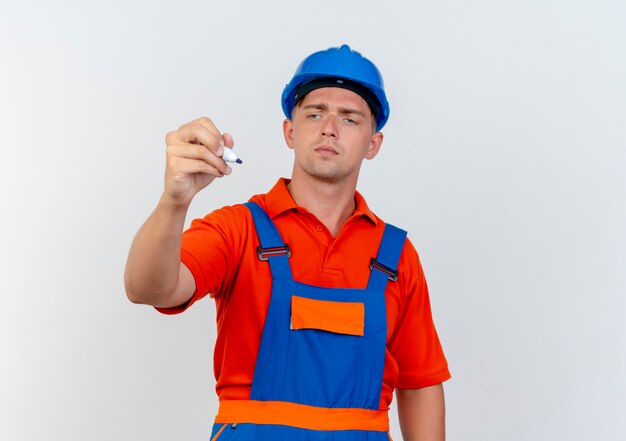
505, 158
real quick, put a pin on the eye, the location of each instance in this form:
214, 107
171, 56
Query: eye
350, 121
314, 116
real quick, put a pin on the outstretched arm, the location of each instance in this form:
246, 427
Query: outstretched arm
154, 274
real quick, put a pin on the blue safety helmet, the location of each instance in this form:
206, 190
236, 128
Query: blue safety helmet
339, 67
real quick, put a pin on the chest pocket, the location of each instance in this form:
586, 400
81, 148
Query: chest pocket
338, 317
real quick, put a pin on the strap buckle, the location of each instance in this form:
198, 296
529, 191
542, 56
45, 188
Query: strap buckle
265, 253
391, 274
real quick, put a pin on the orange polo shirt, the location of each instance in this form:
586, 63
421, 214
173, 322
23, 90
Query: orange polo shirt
220, 251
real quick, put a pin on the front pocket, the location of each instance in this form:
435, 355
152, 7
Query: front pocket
338, 317
219, 432
233, 432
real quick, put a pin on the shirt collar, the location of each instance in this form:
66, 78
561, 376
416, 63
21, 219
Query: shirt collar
278, 200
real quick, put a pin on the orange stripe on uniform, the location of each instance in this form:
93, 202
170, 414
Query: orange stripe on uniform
219, 432
301, 415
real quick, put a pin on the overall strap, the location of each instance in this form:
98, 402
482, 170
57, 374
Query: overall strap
385, 266
272, 248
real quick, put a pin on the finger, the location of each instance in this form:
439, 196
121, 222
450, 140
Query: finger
195, 133
198, 166
187, 166
197, 152
208, 124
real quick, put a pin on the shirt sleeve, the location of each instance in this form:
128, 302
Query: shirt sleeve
414, 343
211, 248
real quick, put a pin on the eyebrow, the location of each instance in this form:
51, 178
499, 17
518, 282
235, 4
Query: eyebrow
342, 110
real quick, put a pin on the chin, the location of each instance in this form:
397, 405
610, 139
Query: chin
326, 174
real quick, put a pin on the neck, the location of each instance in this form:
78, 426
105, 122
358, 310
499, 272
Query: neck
331, 203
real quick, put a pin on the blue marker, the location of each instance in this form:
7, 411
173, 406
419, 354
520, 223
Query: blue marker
230, 156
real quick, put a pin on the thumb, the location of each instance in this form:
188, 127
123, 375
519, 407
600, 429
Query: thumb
228, 140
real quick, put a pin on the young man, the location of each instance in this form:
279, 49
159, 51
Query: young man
322, 308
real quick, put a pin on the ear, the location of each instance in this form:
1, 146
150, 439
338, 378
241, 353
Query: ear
374, 147
288, 132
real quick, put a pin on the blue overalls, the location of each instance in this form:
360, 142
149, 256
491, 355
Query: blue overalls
310, 382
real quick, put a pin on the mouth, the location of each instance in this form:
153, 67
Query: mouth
326, 150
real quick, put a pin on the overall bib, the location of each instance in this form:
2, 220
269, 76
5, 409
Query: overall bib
319, 369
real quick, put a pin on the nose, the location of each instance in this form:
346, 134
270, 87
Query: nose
330, 127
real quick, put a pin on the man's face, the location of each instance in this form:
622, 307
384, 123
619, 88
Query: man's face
331, 131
